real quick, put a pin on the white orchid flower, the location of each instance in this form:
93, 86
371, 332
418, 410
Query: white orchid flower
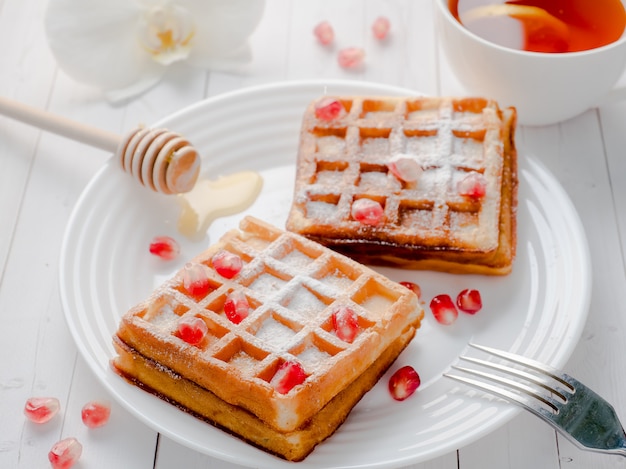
125, 46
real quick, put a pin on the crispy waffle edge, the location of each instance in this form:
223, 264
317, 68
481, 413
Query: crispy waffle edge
203, 404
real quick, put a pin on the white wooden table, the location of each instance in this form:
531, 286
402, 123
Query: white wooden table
42, 176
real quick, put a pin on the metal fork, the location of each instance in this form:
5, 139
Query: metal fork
565, 403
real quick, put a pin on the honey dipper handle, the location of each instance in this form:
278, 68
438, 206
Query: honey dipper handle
60, 125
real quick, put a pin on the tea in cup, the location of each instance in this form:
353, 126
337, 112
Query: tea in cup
551, 59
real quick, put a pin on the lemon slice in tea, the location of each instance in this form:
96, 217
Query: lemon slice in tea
543, 32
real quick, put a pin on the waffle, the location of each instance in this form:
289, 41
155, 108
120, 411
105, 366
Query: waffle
203, 404
427, 223
293, 285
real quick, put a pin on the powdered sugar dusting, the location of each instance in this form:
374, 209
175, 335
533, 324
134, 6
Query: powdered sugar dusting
446, 138
275, 333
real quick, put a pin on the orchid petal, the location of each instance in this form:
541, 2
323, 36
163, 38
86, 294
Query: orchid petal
222, 35
95, 42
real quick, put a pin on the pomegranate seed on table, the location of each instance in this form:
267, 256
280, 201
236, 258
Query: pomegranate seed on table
403, 383
405, 169
196, 279
288, 375
473, 185
65, 453
329, 109
324, 33
192, 329
469, 301
414, 287
164, 247
346, 324
351, 57
443, 309
226, 263
41, 409
96, 413
381, 27
236, 307
367, 211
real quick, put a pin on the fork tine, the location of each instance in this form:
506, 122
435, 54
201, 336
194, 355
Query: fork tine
583, 416
496, 391
530, 363
549, 402
518, 373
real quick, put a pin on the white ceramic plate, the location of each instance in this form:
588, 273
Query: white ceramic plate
539, 310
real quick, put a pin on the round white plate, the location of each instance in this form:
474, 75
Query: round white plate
539, 310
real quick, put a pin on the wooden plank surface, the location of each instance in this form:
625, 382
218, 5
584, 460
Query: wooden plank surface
42, 176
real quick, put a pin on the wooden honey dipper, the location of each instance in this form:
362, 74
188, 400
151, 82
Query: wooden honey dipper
158, 158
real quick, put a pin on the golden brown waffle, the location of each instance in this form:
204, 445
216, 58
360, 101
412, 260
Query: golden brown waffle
293, 285
196, 400
427, 223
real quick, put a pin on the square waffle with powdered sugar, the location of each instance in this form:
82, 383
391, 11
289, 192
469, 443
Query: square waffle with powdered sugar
292, 288
438, 177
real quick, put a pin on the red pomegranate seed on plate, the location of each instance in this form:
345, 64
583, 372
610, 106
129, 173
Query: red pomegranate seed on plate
414, 287
41, 409
324, 33
346, 324
96, 413
473, 185
164, 247
443, 309
328, 109
351, 57
403, 383
192, 329
288, 375
226, 263
236, 307
65, 453
381, 27
367, 211
469, 301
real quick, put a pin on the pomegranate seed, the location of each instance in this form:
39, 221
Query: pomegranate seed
288, 375
236, 307
164, 247
41, 409
329, 109
403, 383
405, 169
192, 329
324, 33
473, 185
469, 301
367, 211
443, 309
381, 27
346, 324
351, 57
414, 287
196, 280
96, 413
65, 453
226, 263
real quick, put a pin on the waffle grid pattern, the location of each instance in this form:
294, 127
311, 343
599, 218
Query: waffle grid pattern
346, 159
293, 286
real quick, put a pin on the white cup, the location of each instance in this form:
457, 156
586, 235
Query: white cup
546, 88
